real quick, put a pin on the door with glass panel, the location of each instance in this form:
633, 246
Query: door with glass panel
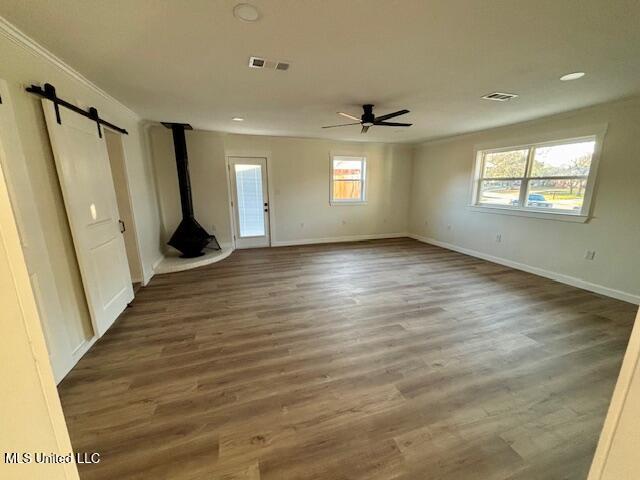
250, 201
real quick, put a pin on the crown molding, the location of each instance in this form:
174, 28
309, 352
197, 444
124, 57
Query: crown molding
15, 35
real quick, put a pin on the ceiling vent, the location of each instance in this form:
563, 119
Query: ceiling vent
500, 97
257, 62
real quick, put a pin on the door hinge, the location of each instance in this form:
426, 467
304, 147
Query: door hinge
122, 226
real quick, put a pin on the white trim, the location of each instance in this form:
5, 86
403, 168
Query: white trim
230, 189
147, 276
531, 142
629, 367
559, 277
559, 216
132, 212
346, 238
364, 181
14, 34
81, 349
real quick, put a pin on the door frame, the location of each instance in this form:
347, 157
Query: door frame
133, 226
232, 218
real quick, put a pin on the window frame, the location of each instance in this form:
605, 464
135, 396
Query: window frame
583, 215
363, 182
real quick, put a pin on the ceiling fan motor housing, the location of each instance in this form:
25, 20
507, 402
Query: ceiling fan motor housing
368, 117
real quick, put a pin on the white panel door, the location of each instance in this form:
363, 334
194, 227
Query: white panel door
87, 187
250, 201
63, 337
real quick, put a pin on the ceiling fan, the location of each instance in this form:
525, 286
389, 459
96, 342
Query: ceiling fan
368, 119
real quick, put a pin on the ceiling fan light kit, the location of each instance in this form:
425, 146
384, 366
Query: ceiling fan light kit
368, 119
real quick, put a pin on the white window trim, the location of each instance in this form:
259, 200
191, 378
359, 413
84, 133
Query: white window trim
354, 156
557, 138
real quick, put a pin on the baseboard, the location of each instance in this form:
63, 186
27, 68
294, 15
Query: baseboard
558, 277
346, 238
146, 275
76, 355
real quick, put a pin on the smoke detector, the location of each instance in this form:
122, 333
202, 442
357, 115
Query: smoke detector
246, 12
500, 97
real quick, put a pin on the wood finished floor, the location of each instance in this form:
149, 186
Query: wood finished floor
375, 360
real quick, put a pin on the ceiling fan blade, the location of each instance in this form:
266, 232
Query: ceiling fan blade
393, 124
365, 129
382, 118
352, 117
342, 125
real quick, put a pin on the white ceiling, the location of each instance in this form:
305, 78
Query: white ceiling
186, 60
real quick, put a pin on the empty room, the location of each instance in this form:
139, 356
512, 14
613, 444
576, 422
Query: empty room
319, 239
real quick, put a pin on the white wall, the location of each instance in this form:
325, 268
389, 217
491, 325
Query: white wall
441, 193
31, 418
299, 181
23, 64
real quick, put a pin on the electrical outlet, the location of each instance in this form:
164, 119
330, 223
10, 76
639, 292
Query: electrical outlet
590, 254
498, 238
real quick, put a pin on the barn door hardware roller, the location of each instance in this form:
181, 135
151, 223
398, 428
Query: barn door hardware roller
49, 92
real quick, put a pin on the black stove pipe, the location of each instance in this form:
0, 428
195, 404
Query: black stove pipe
189, 238
182, 163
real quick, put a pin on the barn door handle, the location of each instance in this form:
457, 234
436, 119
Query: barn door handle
122, 227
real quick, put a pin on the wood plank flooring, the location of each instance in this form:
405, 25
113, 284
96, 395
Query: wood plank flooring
375, 360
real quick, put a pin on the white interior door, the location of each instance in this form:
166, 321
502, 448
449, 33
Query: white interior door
90, 200
250, 201
63, 336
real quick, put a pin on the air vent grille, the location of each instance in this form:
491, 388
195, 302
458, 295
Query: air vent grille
258, 62
500, 96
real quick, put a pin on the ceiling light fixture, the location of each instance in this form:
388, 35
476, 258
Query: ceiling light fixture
246, 12
238, 119
572, 76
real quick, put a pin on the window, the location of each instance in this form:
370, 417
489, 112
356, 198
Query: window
348, 182
551, 177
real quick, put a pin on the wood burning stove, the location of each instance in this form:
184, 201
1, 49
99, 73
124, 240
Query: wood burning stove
189, 238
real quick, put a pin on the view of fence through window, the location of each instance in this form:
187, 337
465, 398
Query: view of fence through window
250, 208
348, 179
537, 176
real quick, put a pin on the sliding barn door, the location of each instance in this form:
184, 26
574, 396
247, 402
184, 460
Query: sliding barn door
87, 187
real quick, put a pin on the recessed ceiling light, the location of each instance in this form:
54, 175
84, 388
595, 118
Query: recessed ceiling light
246, 12
238, 119
572, 76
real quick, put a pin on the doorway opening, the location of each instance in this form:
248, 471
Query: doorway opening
115, 150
